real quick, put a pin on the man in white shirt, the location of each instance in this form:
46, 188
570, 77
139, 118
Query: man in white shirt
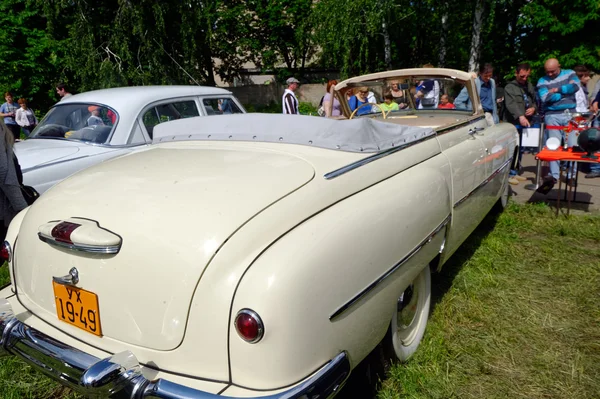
62, 91
289, 100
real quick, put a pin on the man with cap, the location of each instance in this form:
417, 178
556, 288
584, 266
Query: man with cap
94, 119
289, 100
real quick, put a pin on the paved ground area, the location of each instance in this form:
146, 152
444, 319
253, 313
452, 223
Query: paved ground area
588, 190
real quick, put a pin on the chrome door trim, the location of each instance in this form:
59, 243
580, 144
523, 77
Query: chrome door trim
483, 183
374, 157
388, 273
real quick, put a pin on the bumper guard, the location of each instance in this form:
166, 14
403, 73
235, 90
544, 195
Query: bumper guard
120, 376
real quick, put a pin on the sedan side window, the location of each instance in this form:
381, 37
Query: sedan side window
150, 120
220, 106
168, 112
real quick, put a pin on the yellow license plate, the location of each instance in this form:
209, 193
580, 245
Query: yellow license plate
77, 307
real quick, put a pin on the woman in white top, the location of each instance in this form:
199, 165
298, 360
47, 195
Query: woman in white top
25, 117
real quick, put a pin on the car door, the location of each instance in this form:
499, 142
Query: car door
465, 152
498, 141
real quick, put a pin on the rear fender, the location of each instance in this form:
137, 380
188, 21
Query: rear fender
318, 269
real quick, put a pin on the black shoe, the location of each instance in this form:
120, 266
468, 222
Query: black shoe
591, 175
546, 185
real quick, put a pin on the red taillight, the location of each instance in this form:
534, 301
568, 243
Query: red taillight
249, 326
62, 231
6, 252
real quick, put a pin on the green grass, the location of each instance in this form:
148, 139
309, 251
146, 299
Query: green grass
515, 314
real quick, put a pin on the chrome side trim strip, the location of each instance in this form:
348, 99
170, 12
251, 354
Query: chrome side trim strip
388, 273
483, 183
119, 376
374, 157
104, 249
54, 163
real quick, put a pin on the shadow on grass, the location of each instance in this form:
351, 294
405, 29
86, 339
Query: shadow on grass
366, 378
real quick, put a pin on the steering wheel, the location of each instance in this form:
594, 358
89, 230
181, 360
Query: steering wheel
52, 130
370, 104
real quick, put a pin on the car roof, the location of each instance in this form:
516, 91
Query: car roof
136, 97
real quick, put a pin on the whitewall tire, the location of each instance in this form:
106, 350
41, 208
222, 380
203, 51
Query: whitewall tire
411, 315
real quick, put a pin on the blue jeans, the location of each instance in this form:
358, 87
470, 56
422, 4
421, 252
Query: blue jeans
595, 167
559, 120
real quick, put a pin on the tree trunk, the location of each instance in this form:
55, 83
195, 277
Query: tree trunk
387, 45
443, 35
476, 39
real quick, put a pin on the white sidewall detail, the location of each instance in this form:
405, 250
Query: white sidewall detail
404, 350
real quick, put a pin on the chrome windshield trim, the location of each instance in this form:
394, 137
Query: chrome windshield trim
388, 273
119, 375
374, 157
483, 183
94, 249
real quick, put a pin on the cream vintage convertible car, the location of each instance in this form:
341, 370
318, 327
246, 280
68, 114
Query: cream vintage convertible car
251, 255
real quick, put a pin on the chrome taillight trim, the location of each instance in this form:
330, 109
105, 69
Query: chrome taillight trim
255, 316
95, 249
9, 249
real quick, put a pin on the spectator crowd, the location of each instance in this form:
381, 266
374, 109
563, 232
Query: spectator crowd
552, 100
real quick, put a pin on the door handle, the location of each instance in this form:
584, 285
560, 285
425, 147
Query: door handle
474, 130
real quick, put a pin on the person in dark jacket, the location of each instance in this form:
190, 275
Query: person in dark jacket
520, 102
11, 198
520, 98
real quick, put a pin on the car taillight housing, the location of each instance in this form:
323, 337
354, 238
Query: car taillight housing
6, 252
249, 326
62, 231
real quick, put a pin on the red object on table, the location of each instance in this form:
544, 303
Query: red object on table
565, 155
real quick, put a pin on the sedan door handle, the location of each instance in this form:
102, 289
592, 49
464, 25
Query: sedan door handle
474, 130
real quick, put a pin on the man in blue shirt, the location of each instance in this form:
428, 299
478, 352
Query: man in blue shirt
486, 88
8, 111
556, 92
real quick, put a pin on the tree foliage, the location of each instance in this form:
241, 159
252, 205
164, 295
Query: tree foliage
95, 44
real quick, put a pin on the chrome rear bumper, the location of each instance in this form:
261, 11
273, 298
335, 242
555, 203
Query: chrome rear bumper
120, 375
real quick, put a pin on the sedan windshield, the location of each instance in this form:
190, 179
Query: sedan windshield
83, 122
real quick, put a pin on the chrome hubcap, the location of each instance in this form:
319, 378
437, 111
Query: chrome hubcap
407, 307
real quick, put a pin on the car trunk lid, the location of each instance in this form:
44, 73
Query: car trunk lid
166, 216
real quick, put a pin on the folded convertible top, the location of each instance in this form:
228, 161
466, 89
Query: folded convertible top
355, 135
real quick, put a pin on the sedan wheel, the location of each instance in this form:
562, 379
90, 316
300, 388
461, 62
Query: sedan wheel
410, 319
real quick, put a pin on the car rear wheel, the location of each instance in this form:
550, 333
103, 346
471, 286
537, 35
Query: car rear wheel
411, 315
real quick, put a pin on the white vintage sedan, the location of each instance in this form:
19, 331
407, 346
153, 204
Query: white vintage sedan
91, 127
252, 255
